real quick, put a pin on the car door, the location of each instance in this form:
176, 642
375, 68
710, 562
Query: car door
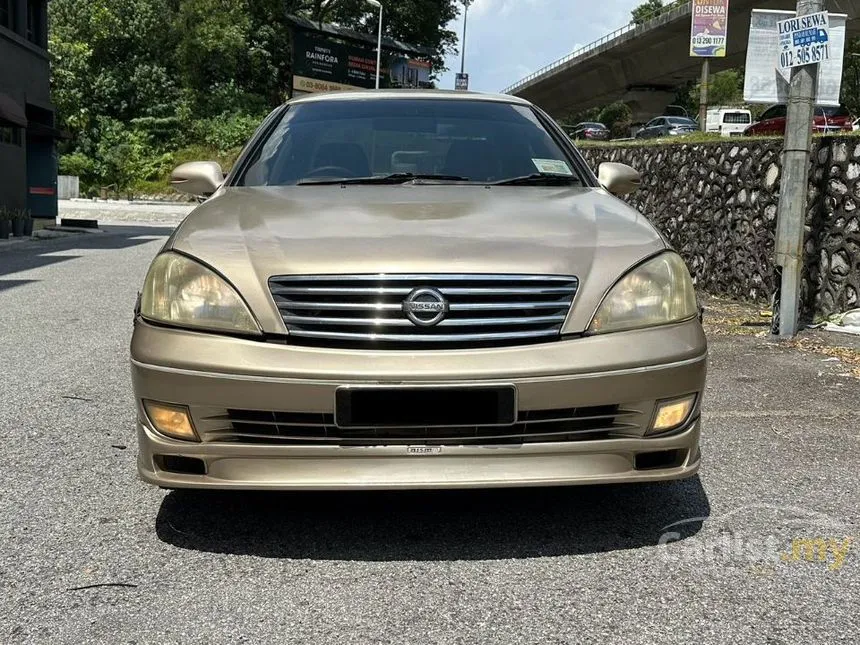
650, 129
659, 128
759, 126
772, 121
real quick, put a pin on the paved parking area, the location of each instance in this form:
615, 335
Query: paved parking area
92, 555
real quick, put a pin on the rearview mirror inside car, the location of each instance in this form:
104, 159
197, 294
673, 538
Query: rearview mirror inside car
200, 178
618, 178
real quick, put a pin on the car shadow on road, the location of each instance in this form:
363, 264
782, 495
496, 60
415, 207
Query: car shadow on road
432, 525
29, 255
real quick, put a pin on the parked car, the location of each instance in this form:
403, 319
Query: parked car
827, 120
667, 126
590, 131
480, 312
728, 122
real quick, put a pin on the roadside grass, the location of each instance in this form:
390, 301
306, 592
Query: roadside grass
698, 137
724, 317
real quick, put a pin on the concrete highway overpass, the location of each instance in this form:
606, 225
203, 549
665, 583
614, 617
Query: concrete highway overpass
643, 65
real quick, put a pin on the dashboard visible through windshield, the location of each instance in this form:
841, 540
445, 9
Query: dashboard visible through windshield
395, 140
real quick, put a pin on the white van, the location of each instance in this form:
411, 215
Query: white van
728, 122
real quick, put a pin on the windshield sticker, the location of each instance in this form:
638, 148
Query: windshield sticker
552, 166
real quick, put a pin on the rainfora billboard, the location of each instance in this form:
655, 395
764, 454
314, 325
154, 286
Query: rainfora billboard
325, 64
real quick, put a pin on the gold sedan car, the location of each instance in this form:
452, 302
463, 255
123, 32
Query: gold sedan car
415, 290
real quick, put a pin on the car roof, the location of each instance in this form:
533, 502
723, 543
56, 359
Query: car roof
448, 95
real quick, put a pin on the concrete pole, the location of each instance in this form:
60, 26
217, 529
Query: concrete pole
703, 94
793, 189
379, 48
466, 4
377, 3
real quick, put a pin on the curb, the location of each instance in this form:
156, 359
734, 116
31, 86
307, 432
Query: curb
52, 233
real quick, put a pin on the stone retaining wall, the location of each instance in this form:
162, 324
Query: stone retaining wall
717, 204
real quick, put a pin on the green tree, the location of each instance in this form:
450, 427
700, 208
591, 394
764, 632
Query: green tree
108, 59
418, 22
583, 116
653, 8
135, 81
725, 88
617, 117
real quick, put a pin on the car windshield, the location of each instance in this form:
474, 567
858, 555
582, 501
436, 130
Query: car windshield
594, 126
375, 139
831, 112
677, 120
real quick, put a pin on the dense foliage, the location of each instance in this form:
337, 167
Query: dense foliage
653, 8
145, 84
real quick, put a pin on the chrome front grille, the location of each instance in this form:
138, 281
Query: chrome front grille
306, 429
371, 310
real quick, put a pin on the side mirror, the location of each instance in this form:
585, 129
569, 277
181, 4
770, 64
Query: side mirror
618, 178
201, 178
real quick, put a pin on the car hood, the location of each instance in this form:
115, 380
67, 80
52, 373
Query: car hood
251, 234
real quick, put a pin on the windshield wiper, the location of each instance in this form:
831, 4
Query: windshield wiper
538, 179
393, 178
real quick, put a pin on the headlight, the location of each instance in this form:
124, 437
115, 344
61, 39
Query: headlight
182, 292
658, 292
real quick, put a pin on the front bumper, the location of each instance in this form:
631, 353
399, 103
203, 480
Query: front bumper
211, 373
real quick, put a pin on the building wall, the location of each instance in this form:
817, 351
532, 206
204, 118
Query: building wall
13, 176
717, 205
25, 72
24, 76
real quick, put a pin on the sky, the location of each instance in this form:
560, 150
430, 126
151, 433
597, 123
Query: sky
509, 39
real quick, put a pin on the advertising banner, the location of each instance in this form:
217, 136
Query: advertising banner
804, 40
321, 64
710, 28
767, 80
409, 72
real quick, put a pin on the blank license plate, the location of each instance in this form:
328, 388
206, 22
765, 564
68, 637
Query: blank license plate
384, 407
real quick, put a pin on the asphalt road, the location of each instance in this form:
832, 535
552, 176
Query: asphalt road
580, 565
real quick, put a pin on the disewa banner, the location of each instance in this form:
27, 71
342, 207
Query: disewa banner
710, 28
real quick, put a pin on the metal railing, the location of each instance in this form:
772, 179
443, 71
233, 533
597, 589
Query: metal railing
585, 49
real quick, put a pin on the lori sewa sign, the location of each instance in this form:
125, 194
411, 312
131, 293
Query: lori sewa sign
766, 82
709, 29
804, 40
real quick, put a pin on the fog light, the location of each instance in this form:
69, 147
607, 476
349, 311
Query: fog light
171, 420
673, 414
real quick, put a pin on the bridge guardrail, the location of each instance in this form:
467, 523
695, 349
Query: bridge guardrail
631, 26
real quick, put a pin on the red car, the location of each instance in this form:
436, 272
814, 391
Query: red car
826, 120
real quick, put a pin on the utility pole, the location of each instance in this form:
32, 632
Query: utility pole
703, 94
466, 4
793, 188
377, 3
